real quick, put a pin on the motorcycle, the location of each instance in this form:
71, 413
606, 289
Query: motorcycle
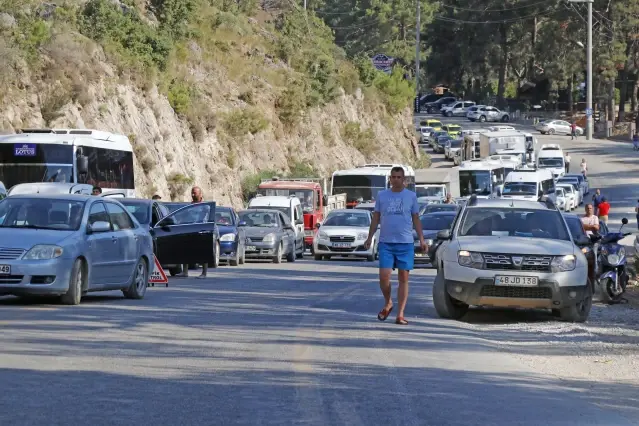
612, 277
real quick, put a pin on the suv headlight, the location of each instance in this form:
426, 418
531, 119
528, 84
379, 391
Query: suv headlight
269, 238
563, 263
470, 259
228, 237
43, 252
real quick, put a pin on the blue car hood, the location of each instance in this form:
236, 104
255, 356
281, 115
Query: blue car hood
27, 238
226, 229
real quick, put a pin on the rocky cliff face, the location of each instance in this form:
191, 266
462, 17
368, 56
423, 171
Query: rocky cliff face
235, 131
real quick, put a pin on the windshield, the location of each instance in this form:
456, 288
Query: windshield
559, 193
223, 217
551, 162
284, 210
455, 143
568, 188
305, 196
575, 226
348, 219
435, 124
511, 222
433, 208
520, 188
30, 162
431, 191
41, 213
260, 219
436, 222
139, 210
474, 182
454, 128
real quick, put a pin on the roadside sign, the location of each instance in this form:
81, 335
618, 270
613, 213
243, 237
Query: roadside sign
588, 112
383, 62
158, 276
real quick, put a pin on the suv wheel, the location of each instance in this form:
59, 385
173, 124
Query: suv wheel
446, 306
580, 311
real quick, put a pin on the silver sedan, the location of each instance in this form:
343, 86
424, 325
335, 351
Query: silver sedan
68, 245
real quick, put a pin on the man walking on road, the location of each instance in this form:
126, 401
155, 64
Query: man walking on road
567, 161
396, 209
196, 197
596, 200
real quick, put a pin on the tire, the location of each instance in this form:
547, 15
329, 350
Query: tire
242, 257
482, 119
543, 133
449, 114
216, 257
175, 271
278, 254
300, 255
580, 311
290, 257
445, 305
606, 292
505, 119
551, 131
318, 256
76, 284
139, 282
236, 260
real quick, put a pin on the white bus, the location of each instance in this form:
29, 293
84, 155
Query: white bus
481, 177
86, 156
364, 183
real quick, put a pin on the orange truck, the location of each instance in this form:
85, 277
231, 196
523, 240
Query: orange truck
312, 193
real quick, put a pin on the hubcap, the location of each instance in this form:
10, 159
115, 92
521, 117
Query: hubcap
139, 277
78, 279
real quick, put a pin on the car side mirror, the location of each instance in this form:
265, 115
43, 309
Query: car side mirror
583, 241
98, 227
595, 237
317, 225
624, 221
82, 163
444, 234
242, 223
166, 222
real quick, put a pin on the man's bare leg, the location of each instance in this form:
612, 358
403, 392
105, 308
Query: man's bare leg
402, 292
385, 286
185, 271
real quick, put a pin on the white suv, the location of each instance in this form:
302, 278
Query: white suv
511, 254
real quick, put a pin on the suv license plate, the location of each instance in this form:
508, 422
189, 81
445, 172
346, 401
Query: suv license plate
516, 280
250, 248
5, 269
341, 245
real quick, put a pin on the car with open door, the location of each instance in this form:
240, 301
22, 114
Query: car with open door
189, 235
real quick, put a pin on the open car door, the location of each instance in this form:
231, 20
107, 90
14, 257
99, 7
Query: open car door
187, 235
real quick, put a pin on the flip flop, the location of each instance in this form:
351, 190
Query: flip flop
401, 320
383, 314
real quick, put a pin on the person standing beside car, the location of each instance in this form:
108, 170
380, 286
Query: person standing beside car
590, 221
397, 212
196, 197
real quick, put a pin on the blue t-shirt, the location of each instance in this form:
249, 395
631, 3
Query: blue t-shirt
396, 211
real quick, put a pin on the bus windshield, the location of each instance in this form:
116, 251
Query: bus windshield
28, 162
359, 187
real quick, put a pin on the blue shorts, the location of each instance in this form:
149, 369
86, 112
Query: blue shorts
397, 255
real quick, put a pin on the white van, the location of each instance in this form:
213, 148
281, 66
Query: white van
551, 157
528, 184
291, 207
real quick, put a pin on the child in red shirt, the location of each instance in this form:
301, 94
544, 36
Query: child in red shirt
604, 209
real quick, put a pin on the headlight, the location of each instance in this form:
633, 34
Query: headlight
362, 236
586, 250
43, 252
323, 236
613, 259
269, 238
429, 242
563, 263
470, 259
228, 237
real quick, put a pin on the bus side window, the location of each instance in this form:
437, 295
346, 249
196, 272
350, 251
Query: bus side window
317, 200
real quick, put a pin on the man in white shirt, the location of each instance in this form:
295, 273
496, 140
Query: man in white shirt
590, 221
567, 161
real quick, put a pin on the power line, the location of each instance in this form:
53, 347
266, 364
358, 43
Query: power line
501, 21
495, 10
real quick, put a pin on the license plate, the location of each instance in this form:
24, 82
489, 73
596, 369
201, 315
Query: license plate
515, 280
419, 254
341, 245
251, 248
5, 269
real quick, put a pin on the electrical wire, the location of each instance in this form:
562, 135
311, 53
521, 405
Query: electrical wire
501, 21
496, 10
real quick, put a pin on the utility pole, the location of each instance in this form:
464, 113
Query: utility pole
589, 110
417, 31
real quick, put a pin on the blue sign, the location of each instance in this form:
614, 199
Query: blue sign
383, 63
24, 150
588, 112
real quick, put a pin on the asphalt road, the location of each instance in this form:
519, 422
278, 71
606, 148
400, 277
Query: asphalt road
300, 344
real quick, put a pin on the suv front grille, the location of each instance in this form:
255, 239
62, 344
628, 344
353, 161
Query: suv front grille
517, 262
516, 292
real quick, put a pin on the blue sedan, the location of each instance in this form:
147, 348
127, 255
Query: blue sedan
68, 245
232, 238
